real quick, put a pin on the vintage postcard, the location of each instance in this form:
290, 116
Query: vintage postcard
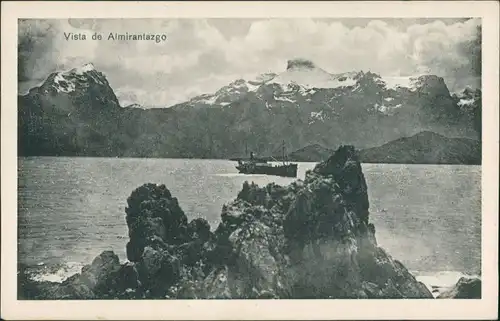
253, 160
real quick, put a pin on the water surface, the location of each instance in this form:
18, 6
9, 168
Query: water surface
71, 209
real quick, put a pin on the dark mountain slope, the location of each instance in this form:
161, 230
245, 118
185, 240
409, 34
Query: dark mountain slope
310, 153
425, 148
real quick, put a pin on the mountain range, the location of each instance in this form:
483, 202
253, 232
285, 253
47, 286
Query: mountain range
76, 113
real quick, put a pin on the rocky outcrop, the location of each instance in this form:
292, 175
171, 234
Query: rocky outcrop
311, 239
466, 288
91, 283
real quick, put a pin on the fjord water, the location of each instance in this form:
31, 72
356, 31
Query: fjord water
70, 209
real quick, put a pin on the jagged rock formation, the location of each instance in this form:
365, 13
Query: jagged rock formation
311, 239
77, 113
466, 288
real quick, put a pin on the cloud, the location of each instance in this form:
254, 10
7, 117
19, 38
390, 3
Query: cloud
202, 55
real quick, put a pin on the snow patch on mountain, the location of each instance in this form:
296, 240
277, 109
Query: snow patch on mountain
69, 81
83, 69
63, 85
386, 108
399, 82
137, 106
381, 108
209, 101
262, 78
316, 116
228, 94
252, 87
466, 102
284, 99
356, 88
468, 99
314, 78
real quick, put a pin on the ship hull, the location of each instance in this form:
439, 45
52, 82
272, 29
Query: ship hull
289, 170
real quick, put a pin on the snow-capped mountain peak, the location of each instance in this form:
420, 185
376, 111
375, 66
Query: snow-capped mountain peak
83, 69
80, 77
80, 88
305, 73
395, 82
305, 85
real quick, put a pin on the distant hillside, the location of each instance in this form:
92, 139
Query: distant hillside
425, 148
310, 153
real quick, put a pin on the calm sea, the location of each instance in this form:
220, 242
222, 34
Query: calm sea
71, 209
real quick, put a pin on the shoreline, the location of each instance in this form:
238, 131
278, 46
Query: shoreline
222, 159
438, 281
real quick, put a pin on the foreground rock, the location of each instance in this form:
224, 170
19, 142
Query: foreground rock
311, 239
91, 283
466, 288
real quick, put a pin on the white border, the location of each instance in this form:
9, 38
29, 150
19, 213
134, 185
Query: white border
485, 308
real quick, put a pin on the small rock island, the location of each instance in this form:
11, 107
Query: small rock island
311, 239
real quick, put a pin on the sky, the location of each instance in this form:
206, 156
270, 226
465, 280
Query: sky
201, 55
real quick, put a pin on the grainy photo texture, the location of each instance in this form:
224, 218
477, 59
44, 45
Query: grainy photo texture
249, 158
